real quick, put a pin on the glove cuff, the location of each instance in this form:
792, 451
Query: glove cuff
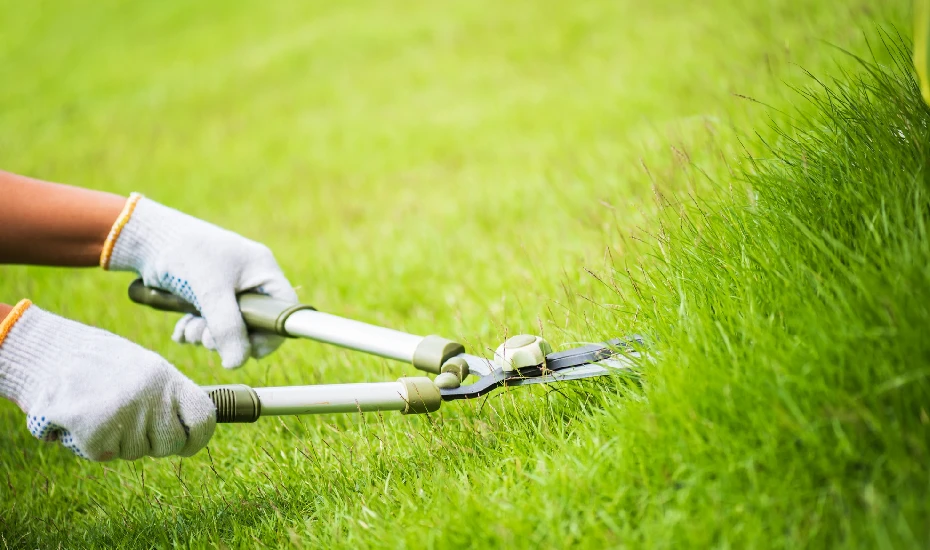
141, 232
6, 325
124, 216
24, 336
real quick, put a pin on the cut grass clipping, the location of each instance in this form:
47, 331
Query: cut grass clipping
787, 404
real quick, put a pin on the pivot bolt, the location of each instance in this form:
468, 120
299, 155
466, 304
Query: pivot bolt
521, 351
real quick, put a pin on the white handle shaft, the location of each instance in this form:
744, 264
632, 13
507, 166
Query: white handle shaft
356, 335
331, 398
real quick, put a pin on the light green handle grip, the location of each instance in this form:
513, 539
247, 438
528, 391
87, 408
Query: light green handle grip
259, 312
234, 403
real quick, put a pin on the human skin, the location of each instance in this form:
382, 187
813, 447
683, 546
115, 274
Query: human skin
53, 224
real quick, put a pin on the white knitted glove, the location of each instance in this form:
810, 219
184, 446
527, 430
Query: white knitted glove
100, 395
207, 266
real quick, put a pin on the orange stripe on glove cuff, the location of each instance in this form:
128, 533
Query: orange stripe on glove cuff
117, 228
7, 324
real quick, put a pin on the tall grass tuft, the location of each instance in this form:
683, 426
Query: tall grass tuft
791, 401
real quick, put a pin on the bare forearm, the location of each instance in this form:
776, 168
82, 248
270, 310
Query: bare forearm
45, 223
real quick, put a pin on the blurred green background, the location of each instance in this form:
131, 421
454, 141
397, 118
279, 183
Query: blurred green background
423, 165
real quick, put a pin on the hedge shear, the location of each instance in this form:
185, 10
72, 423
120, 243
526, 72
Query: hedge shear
521, 360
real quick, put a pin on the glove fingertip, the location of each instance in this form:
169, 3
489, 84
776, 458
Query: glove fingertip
194, 331
179, 328
233, 353
230, 359
233, 361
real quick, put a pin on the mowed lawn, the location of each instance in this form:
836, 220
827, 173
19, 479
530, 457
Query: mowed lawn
453, 168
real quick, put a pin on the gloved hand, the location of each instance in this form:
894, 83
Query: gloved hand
205, 265
100, 395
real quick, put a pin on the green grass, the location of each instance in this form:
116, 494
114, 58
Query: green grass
477, 170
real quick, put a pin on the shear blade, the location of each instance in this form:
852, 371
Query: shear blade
584, 362
607, 366
478, 365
